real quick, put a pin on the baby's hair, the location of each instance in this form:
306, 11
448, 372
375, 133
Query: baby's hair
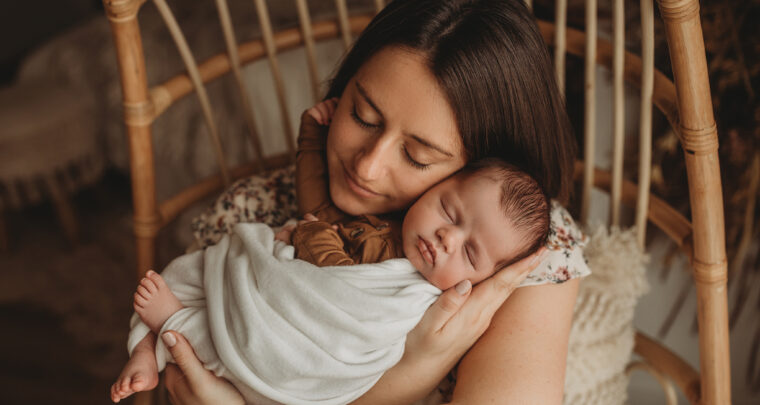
522, 201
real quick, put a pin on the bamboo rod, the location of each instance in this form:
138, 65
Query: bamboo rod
645, 119
165, 94
699, 139
134, 85
269, 45
232, 51
618, 117
589, 116
379, 5
560, 42
340, 5
664, 94
308, 39
200, 89
662, 215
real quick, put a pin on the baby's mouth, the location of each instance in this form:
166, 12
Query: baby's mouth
426, 250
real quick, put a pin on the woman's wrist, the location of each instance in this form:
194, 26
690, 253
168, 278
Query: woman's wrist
410, 380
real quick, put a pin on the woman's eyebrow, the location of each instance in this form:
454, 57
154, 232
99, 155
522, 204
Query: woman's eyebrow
430, 145
368, 99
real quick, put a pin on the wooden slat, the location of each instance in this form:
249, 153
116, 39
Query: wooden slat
662, 215
645, 119
379, 5
589, 109
165, 94
308, 38
232, 51
274, 65
618, 105
200, 89
343, 20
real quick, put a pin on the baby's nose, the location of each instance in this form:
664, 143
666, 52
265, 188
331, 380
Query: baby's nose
446, 238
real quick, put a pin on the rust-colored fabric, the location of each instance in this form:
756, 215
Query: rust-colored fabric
312, 189
363, 239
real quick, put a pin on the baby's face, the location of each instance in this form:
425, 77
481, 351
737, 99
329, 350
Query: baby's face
457, 231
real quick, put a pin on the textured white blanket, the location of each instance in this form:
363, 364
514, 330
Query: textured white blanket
285, 331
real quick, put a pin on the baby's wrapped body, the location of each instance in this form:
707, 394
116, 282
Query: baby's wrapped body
284, 330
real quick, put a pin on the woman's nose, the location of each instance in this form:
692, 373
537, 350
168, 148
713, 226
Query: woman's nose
371, 162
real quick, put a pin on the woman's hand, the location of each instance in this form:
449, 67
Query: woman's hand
447, 330
323, 111
460, 316
189, 383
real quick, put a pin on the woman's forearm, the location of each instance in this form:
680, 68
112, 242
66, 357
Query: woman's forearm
408, 381
522, 356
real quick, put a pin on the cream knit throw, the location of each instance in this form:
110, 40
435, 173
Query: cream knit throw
601, 338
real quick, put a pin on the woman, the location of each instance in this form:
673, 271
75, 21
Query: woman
429, 86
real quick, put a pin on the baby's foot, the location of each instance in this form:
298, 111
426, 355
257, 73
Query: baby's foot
154, 301
140, 373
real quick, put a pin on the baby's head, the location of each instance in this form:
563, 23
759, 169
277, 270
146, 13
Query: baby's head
478, 221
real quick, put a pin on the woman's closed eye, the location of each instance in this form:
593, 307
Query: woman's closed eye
360, 121
412, 161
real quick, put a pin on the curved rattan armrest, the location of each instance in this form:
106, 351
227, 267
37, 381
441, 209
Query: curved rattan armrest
670, 365
165, 94
177, 203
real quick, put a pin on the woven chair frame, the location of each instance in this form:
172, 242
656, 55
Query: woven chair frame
685, 102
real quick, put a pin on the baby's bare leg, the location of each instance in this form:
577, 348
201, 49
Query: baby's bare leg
141, 371
154, 301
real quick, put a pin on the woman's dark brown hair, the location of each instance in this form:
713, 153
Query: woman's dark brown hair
492, 63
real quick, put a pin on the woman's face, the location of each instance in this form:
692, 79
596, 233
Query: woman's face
393, 135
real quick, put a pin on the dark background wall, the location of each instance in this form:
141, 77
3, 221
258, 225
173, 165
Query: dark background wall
25, 25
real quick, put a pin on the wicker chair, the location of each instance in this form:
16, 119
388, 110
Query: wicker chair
685, 102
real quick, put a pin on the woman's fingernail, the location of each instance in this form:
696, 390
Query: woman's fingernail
463, 287
169, 339
149, 272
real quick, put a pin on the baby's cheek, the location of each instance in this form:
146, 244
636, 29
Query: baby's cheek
446, 278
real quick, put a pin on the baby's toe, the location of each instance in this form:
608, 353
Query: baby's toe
143, 292
157, 280
148, 284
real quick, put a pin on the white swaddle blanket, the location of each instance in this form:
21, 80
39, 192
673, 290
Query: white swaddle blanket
284, 330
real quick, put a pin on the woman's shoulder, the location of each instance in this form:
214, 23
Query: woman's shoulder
564, 260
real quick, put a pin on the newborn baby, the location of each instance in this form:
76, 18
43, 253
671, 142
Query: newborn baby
285, 331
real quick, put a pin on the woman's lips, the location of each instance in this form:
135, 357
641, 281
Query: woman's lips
426, 250
357, 188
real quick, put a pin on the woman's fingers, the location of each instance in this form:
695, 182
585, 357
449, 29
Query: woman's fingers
192, 384
446, 306
331, 104
185, 357
489, 295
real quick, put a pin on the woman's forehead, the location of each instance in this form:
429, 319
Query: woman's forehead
399, 84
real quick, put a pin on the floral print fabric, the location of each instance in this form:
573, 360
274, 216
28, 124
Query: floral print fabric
270, 198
